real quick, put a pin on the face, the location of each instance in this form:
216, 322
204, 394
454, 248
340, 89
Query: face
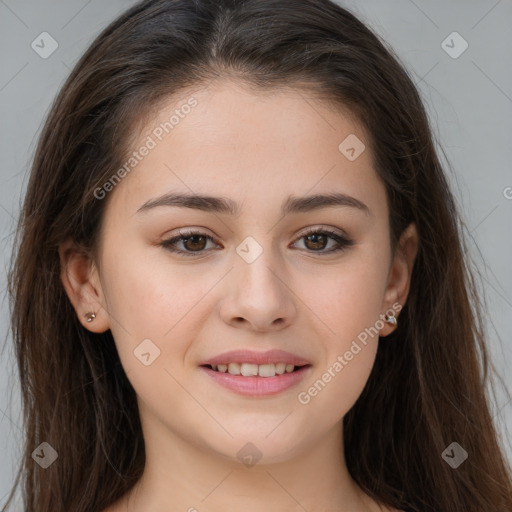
263, 270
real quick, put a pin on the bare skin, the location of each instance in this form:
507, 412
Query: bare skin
256, 149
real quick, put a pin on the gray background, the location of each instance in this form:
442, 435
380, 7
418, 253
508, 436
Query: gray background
469, 99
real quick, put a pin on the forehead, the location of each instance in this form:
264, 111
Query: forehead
233, 140
226, 111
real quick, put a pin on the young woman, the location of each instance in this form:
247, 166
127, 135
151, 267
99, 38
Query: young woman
240, 282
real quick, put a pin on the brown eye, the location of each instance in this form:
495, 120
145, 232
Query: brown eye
318, 241
191, 243
194, 242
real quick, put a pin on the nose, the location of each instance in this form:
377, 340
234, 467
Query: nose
259, 297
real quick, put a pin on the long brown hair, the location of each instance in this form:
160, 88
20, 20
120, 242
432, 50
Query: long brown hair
427, 388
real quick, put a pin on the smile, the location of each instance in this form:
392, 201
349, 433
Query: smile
254, 384
255, 370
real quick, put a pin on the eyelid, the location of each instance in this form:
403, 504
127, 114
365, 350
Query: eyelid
326, 229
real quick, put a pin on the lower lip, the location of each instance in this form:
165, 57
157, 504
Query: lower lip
257, 386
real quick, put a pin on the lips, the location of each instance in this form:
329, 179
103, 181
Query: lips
256, 358
257, 386
257, 373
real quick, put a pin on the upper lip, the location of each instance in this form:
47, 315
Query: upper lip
254, 357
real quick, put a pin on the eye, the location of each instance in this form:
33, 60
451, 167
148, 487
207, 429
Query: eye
195, 242
317, 239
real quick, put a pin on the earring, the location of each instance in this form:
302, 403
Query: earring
391, 319
90, 317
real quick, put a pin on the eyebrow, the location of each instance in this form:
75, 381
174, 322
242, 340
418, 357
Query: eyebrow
225, 205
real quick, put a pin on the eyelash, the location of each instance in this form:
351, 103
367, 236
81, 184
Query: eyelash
342, 242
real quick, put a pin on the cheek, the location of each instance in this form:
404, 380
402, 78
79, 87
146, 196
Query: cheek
155, 317
149, 300
336, 387
348, 299
349, 307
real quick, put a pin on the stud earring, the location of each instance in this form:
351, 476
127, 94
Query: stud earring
90, 317
391, 319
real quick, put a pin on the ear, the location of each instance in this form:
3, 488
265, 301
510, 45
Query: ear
80, 278
399, 280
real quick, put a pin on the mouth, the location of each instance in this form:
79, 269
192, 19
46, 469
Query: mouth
257, 373
256, 370
257, 381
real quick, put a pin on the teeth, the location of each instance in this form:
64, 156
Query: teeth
280, 368
253, 370
267, 370
248, 370
234, 368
